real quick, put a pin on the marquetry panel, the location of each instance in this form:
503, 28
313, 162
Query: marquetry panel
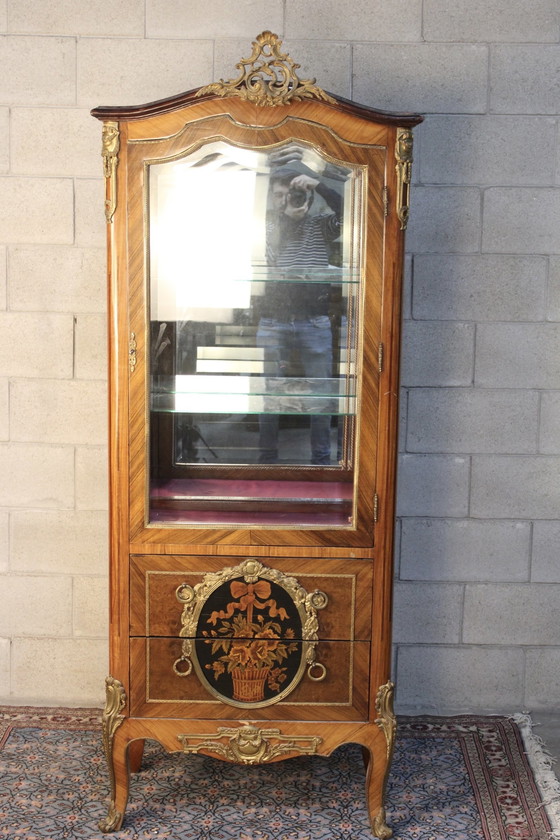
157, 691
156, 611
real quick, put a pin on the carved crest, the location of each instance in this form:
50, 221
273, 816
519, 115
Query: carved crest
267, 77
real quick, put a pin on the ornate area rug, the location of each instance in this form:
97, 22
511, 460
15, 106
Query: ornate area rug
465, 778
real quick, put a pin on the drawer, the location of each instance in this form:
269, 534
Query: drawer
160, 584
157, 689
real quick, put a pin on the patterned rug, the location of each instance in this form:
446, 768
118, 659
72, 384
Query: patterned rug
464, 778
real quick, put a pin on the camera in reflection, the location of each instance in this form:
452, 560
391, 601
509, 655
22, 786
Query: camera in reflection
297, 197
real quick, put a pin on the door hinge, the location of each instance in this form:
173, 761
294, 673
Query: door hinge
385, 202
380, 357
375, 509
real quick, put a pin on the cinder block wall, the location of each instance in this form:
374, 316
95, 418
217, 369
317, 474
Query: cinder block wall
477, 606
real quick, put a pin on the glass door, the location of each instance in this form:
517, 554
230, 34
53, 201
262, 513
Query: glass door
255, 286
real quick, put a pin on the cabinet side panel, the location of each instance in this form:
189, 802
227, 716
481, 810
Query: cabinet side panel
118, 373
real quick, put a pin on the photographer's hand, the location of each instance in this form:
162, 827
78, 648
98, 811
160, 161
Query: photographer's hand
304, 182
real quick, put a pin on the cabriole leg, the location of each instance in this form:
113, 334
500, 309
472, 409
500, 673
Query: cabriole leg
116, 755
379, 764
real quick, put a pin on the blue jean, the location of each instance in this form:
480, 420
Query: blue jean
312, 339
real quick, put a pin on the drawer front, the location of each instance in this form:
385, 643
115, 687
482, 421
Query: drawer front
238, 636
158, 689
159, 583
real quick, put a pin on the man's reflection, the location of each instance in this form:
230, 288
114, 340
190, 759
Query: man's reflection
295, 315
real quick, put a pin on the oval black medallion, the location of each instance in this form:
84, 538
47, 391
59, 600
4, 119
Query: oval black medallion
248, 648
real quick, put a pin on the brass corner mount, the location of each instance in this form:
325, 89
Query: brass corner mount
267, 77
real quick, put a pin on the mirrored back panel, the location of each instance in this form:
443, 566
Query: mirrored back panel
255, 279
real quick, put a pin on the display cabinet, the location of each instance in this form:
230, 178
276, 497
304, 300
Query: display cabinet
255, 237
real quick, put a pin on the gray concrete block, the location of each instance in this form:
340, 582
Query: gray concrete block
96, 17
370, 20
140, 70
3, 272
554, 289
464, 550
521, 220
4, 139
38, 70
427, 613
58, 411
512, 614
437, 354
169, 19
515, 487
90, 607
4, 409
5, 661
524, 79
440, 679
4, 542
91, 347
89, 215
433, 485
407, 288
403, 415
34, 344
479, 287
40, 668
543, 678
423, 78
444, 220
40, 538
58, 279
54, 141
517, 356
91, 478
52, 484
550, 423
38, 210
490, 20
488, 150
545, 565
466, 420
36, 605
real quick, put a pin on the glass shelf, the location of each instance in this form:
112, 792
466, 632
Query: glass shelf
263, 274
252, 395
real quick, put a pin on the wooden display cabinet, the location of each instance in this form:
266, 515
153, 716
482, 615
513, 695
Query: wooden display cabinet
255, 234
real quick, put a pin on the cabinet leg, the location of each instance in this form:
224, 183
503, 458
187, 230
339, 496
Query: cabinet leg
135, 754
376, 772
116, 755
378, 762
120, 776
366, 757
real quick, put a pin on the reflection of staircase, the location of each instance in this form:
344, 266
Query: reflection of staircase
237, 344
233, 359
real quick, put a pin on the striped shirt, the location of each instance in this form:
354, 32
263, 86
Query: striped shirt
304, 243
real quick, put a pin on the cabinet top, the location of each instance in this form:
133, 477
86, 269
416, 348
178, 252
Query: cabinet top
268, 78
